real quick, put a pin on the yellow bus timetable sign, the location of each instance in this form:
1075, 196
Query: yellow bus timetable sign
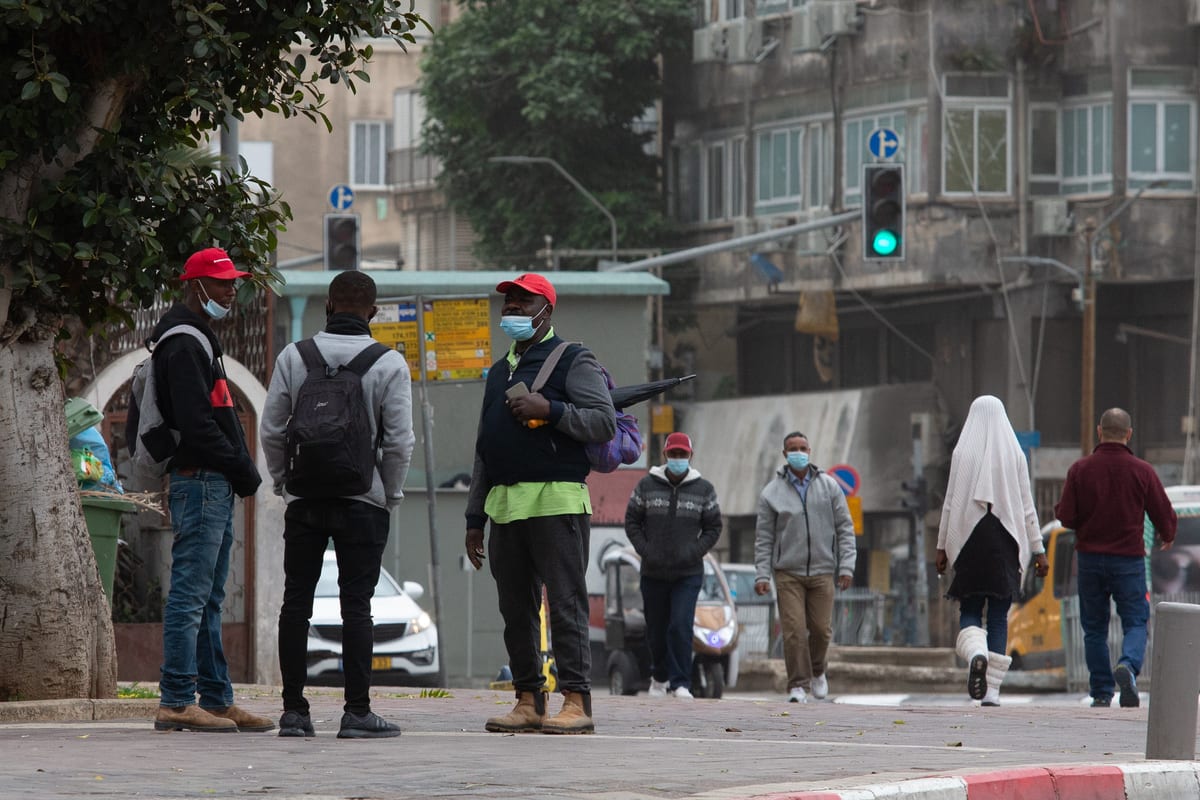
458, 343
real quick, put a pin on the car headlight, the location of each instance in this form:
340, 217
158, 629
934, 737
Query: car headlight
420, 623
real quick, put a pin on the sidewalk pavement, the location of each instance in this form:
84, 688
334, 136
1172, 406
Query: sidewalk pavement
737, 748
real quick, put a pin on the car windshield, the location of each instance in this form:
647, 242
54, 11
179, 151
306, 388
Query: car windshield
327, 586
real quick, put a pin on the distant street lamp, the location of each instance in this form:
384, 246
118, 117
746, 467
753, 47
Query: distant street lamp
612, 221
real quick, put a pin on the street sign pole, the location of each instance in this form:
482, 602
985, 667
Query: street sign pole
435, 569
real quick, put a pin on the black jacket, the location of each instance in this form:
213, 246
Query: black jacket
195, 399
672, 526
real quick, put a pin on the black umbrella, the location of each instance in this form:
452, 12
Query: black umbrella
625, 396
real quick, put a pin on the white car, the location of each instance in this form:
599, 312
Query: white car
405, 636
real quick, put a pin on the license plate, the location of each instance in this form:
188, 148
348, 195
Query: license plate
381, 662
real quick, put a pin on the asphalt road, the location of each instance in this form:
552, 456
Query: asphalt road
742, 746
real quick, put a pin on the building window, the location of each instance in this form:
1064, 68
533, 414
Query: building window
1087, 149
975, 137
711, 11
737, 176
369, 146
778, 173
715, 178
687, 183
818, 143
1161, 146
1044, 146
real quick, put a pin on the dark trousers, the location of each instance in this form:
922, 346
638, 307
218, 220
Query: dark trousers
359, 532
670, 608
527, 555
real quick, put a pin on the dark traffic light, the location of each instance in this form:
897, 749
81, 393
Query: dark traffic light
916, 496
342, 239
883, 212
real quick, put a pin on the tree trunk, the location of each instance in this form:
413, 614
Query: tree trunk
56, 634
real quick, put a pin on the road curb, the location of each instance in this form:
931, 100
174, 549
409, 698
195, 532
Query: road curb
1151, 780
76, 710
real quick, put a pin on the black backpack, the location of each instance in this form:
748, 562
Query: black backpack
330, 449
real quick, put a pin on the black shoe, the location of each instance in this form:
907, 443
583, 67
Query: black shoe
1101, 702
368, 726
294, 723
1129, 693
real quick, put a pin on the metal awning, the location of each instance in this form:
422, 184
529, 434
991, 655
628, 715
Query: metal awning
739, 443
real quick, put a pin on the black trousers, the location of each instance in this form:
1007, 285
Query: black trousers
527, 555
359, 532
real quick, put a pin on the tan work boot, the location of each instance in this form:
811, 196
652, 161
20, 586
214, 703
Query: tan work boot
244, 720
526, 717
191, 718
575, 716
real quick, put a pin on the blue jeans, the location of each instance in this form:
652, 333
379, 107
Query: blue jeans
193, 660
1122, 578
970, 613
359, 532
670, 609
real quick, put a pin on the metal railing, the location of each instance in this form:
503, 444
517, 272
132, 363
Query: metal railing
859, 618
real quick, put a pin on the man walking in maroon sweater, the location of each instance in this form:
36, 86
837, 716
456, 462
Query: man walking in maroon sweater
1104, 500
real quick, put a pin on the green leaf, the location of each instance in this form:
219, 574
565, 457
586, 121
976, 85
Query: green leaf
31, 90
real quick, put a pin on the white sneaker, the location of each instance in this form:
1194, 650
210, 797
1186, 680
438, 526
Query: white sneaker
657, 688
797, 695
683, 693
820, 687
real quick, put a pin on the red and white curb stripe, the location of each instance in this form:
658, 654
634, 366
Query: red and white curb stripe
1150, 780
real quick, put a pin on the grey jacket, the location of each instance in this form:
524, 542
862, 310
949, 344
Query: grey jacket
804, 538
387, 391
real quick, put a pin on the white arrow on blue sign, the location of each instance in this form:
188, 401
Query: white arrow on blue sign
883, 143
341, 197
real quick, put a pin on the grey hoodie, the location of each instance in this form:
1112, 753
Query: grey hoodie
387, 391
804, 538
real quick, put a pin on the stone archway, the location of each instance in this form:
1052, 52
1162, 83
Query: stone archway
265, 570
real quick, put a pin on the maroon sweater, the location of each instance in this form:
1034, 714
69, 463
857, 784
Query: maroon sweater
1106, 497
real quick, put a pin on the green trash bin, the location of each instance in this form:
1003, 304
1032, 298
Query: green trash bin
103, 515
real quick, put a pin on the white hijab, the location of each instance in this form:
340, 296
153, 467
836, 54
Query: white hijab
988, 466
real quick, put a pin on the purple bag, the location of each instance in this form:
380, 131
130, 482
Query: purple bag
624, 448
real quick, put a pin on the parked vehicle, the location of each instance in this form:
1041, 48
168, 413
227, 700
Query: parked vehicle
715, 628
405, 636
758, 616
1035, 635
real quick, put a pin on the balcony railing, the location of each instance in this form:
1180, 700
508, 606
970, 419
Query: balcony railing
412, 169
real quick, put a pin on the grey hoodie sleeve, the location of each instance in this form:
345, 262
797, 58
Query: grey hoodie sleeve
847, 548
589, 416
276, 412
397, 442
765, 532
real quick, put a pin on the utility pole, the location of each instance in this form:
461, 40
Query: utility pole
1087, 366
916, 500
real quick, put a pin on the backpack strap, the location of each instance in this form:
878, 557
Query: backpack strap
366, 358
182, 327
311, 355
548, 366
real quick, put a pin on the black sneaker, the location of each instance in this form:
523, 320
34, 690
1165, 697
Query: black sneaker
1129, 693
368, 726
294, 723
1101, 702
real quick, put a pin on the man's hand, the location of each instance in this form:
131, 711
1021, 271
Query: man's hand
1041, 565
941, 561
529, 407
475, 547
1165, 545
762, 587
843, 582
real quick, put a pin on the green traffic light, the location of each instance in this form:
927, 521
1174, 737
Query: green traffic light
885, 243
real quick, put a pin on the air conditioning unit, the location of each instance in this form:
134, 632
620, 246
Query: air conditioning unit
1193, 12
1051, 217
737, 40
813, 24
702, 49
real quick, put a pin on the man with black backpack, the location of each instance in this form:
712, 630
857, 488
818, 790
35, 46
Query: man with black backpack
337, 432
531, 462
208, 463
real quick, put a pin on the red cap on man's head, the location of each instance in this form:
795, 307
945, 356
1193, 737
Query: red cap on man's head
212, 262
530, 282
678, 441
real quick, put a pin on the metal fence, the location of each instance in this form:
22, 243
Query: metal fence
1072, 636
859, 618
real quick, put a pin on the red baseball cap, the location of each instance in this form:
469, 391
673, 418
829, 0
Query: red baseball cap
678, 441
212, 262
530, 282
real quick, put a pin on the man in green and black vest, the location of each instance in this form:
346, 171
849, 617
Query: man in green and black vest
528, 478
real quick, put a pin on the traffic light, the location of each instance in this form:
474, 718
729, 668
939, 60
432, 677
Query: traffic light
883, 212
342, 239
916, 496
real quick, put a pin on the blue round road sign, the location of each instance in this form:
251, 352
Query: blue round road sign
847, 478
883, 143
341, 197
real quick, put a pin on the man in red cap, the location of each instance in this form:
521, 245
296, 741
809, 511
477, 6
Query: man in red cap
529, 479
211, 464
672, 520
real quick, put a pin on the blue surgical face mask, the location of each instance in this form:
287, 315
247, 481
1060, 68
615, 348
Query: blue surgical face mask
679, 466
797, 459
212, 307
519, 328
